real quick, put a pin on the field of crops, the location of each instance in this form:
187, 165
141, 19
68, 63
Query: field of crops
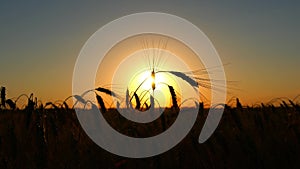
247, 137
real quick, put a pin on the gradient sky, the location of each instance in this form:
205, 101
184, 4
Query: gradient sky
258, 41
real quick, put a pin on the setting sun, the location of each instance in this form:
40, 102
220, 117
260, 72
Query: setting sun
146, 66
151, 80
149, 83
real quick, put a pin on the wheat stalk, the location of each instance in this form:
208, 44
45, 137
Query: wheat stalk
106, 91
3, 96
101, 103
183, 76
173, 96
11, 104
137, 101
51, 104
80, 99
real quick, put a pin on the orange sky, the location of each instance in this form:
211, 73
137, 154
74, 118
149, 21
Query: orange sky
134, 55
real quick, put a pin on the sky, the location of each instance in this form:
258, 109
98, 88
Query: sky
257, 41
133, 59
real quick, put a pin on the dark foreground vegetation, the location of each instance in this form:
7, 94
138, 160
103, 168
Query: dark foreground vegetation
247, 137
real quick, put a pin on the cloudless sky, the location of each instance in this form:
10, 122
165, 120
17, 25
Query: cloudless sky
260, 41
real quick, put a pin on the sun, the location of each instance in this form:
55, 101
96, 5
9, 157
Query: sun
151, 80
150, 66
147, 82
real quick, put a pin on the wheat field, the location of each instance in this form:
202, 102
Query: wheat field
262, 136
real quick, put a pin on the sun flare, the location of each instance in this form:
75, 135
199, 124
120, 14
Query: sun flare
144, 67
150, 82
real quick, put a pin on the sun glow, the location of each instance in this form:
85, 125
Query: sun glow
144, 81
148, 83
142, 68
151, 80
